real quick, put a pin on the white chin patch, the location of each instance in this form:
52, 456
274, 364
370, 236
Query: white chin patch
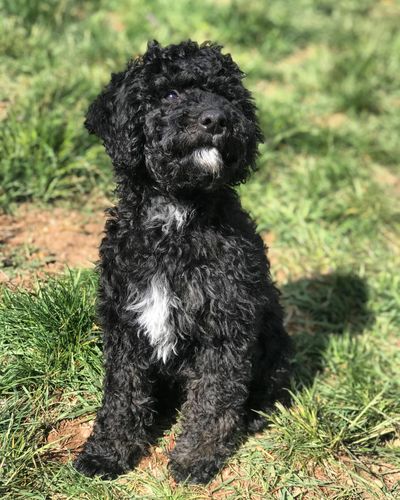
209, 158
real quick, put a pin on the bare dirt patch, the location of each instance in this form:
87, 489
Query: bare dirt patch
387, 179
4, 105
273, 253
299, 56
332, 121
273, 89
116, 22
35, 242
68, 438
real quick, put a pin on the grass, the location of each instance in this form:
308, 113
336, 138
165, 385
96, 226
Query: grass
326, 198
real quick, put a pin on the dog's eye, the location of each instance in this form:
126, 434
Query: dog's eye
171, 95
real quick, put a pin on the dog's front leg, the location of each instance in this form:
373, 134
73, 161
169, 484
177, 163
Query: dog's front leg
213, 414
120, 434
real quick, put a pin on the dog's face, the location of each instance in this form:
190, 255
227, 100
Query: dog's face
178, 118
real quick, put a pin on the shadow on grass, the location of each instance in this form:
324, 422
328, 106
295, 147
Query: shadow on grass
318, 308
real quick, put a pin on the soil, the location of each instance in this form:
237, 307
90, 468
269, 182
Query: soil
68, 438
35, 242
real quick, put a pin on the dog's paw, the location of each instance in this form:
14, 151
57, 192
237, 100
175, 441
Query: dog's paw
199, 471
96, 465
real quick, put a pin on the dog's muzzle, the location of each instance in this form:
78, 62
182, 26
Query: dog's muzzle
209, 159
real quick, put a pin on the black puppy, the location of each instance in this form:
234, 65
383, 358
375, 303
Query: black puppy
186, 296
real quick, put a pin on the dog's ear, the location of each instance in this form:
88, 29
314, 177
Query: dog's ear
99, 118
115, 117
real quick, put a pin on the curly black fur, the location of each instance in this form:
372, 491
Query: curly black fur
186, 296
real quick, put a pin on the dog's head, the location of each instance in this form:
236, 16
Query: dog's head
179, 118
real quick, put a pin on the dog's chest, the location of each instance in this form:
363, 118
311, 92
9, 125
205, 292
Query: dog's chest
156, 302
154, 308
165, 216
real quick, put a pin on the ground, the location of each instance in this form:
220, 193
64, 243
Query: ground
325, 76
38, 242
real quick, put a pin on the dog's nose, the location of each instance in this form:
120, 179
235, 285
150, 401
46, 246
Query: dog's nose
213, 121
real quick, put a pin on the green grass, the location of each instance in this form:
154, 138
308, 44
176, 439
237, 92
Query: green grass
326, 78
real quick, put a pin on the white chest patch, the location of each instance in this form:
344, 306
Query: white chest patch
154, 309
